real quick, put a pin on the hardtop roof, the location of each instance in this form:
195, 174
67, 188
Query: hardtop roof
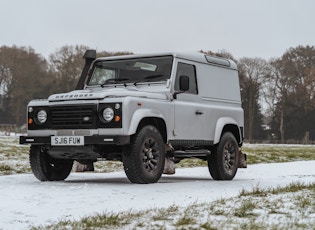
191, 56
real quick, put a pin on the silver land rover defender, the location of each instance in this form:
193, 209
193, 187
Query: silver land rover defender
148, 111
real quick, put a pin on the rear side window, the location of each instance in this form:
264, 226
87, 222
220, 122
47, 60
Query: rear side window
190, 71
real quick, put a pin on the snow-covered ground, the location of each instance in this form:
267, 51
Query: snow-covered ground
25, 201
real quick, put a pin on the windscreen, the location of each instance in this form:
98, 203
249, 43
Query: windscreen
137, 70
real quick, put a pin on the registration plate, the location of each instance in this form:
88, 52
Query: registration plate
67, 140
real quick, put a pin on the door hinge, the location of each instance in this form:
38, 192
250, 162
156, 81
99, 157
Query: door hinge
174, 132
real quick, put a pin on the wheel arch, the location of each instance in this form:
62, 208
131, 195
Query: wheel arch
157, 122
145, 117
227, 124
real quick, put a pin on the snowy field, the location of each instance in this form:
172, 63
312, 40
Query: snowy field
26, 202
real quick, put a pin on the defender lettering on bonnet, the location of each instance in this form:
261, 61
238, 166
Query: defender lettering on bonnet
148, 111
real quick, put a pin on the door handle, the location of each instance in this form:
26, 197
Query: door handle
199, 113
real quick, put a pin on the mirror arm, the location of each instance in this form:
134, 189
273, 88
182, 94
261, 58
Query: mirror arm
176, 93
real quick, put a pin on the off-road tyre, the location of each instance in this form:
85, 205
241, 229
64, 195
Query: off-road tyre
223, 160
46, 168
144, 158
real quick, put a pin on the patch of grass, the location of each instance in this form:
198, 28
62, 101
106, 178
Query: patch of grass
256, 191
292, 187
219, 212
280, 208
208, 226
303, 202
16, 156
108, 166
253, 225
245, 209
164, 214
99, 221
191, 162
108, 220
6, 169
257, 154
185, 221
222, 201
278, 153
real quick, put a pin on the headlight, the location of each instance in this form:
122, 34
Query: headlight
108, 114
41, 116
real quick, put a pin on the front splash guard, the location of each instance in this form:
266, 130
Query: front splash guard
242, 160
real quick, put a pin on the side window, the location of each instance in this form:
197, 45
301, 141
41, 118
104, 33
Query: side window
190, 71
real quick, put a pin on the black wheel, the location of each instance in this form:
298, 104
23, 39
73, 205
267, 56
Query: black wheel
46, 168
223, 161
145, 157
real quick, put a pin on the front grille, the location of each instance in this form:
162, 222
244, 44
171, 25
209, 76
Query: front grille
73, 117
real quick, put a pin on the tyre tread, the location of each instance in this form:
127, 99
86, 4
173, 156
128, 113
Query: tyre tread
215, 165
131, 162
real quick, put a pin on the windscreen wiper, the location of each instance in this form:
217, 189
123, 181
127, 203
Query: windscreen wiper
150, 77
114, 80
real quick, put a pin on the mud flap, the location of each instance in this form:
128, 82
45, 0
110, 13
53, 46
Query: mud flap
242, 160
169, 167
79, 167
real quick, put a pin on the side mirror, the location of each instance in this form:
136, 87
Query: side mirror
183, 83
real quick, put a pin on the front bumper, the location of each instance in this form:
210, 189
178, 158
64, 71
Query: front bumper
88, 140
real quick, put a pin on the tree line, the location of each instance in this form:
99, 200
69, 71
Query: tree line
277, 94
26, 75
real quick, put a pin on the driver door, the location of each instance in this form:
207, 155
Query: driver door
189, 114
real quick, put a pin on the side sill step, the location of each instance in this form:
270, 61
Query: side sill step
192, 153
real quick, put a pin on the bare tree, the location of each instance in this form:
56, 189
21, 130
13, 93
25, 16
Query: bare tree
23, 77
252, 72
275, 92
66, 64
291, 92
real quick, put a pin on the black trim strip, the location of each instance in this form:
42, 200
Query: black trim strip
191, 142
88, 140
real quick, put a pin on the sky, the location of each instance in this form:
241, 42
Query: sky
244, 28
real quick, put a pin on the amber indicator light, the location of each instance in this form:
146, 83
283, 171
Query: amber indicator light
117, 118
